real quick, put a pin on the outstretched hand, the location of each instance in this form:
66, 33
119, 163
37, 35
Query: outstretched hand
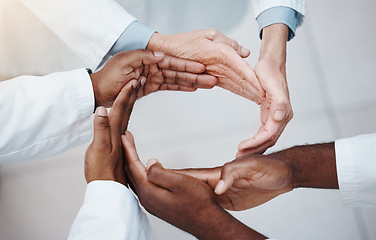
221, 55
162, 73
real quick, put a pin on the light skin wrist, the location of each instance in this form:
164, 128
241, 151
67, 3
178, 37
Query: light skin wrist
274, 44
156, 42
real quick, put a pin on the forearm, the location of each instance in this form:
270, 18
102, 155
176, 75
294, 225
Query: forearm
314, 166
223, 226
273, 44
43, 116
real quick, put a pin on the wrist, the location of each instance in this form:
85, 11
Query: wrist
156, 42
313, 166
274, 43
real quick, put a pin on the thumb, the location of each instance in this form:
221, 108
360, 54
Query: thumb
102, 134
229, 175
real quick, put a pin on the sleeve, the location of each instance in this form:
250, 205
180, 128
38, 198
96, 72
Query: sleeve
110, 211
289, 12
135, 36
285, 15
43, 116
356, 170
88, 27
261, 5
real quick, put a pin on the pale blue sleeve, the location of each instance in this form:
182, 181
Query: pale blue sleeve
135, 36
284, 15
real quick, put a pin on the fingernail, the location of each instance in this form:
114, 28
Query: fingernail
143, 81
278, 115
150, 163
134, 84
219, 189
102, 111
245, 51
158, 54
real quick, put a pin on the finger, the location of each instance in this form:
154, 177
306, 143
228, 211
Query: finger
176, 87
102, 134
164, 178
266, 137
231, 172
210, 176
221, 38
281, 111
119, 113
181, 65
245, 72
135, 169
139, 58
201, 79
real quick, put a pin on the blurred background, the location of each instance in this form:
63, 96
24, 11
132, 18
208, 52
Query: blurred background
332, 80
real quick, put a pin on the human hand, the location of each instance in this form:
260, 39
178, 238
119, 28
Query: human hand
180, 200
103, 158
221, 55
174, 74
163, 72
246, 182
276, 111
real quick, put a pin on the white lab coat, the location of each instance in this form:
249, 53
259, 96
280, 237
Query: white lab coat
42, 116
88, 27
110, 211
356, 170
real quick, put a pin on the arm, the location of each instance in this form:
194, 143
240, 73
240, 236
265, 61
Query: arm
253, 179
88, 27
110, 211
183, 201
50, 114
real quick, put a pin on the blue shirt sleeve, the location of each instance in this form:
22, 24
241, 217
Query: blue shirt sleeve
285, 15
135, 36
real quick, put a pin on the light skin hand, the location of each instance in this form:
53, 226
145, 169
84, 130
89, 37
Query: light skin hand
276, 111
183, 201
221, 55
162, 73
103, 158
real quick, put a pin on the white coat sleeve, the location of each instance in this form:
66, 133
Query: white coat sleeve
356, 170
261, 5
88, 27
43, 116
110, 211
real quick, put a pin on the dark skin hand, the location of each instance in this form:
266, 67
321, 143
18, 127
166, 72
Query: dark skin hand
161, 72
181, 200
103, 159
253, 179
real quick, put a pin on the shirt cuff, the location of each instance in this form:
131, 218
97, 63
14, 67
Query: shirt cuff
356, 171
285, 15
135, 36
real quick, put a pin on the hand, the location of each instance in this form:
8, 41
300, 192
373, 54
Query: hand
103, 159
167, 73
276, 111
246, 182
174, 74
183, 201
221, 55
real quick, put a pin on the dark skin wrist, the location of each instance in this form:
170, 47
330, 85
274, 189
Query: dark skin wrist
314, 166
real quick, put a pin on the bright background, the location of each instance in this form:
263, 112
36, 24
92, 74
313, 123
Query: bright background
331, 75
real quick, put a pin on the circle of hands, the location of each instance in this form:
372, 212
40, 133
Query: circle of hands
214, 60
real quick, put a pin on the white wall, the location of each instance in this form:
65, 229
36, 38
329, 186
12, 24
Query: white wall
331, 75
